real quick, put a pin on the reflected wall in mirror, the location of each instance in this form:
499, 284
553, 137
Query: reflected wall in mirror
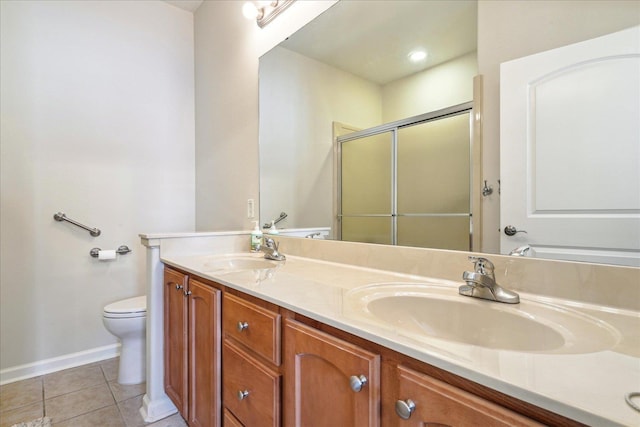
351, 65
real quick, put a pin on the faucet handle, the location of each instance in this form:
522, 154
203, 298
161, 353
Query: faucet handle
482, 265
270, 243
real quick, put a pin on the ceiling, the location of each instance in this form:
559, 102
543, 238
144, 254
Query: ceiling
189, 5
372, 39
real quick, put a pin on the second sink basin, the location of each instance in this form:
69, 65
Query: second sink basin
424, 312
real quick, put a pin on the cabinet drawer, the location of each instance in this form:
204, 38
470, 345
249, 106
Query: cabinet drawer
250, 391
439, 403
253, 326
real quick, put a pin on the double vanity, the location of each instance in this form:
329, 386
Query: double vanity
382, 336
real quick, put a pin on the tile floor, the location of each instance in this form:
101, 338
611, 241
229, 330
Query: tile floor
86, 396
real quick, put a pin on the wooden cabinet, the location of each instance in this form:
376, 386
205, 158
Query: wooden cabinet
328, 381
204, 355
228, 420
411, 398
192, 348
251, 359
175, 339
230, 359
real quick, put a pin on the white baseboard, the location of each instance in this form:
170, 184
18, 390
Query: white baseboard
59, 363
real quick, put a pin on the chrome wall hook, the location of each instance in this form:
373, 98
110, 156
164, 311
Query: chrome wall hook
487, 190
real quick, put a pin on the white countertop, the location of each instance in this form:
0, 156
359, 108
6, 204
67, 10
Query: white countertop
589, 388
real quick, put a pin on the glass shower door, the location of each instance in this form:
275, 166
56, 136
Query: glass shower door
367, 190
408, 182
433, 184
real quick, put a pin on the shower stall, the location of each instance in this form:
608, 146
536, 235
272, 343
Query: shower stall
408, 182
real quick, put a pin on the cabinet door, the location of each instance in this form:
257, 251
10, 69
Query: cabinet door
175, 339
204, 355
228, 420
436, 403
319, 370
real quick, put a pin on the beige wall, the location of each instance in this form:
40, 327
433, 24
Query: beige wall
300, 98
513, 29
227, 48
98, 122
439, 87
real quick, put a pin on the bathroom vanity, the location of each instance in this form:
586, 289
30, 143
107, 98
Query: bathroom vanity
286, 340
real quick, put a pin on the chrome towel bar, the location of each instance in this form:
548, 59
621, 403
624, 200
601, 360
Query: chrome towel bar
60, 216
282, 216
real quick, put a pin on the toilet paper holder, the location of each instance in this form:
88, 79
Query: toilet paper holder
123, 249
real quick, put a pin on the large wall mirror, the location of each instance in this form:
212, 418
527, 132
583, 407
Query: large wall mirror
350, 67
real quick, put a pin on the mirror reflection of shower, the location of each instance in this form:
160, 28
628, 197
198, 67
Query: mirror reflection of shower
302, 93
408, 182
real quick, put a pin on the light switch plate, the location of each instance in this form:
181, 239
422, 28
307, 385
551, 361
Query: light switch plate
250, 208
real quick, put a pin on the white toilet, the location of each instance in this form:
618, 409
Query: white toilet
127, 320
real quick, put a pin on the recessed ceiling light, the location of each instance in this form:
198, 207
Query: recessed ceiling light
418, 55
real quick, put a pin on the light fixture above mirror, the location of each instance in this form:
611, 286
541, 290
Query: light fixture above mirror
264, 11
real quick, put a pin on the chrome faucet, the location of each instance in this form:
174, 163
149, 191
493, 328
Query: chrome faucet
481, 283
270, 249
520, 251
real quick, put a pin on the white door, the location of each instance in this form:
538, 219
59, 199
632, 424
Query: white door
570, 151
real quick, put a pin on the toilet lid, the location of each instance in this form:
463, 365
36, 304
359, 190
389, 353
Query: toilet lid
130, 305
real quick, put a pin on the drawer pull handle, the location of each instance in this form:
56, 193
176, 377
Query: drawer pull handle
242, 326
243, 394
357, 382
404, 408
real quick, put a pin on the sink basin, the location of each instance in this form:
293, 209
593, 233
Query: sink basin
238, 263
426, 312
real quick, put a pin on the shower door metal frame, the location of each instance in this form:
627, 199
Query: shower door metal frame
393, 127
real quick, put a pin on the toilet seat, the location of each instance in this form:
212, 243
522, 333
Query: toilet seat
128, 308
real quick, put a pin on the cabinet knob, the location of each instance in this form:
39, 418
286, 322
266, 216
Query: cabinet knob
242, 326
187, 293
357, 382
243, 394
178, 287
404, 408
